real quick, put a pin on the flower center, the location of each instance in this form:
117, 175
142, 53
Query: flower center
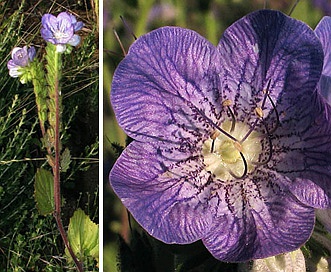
227, 158
58, 35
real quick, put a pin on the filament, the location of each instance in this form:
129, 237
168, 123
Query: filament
266, 94
216, 126
277, 115
245, 168
233, 121
212, 146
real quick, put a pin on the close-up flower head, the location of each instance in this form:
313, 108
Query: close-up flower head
20, 58
231, 144
61, 30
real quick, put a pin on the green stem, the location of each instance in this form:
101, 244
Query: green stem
55, 95
56, 167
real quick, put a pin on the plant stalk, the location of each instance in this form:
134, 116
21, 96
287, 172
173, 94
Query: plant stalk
56, 166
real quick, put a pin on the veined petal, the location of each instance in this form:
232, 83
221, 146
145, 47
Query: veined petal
283, 225
167, 86
302, 147
163, 201
323, 32
268, 48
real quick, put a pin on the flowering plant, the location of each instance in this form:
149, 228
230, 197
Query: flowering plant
58, 32
21, 58
231, 143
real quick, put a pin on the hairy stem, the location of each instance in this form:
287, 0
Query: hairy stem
56, 166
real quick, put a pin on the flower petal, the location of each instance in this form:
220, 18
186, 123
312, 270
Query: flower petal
167, 86
323, 32
310, 194
267, 48
284, 225
161, 201
75, 40
302, 147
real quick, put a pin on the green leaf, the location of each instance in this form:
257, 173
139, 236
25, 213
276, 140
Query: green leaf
44, 191
65, 160
83, 236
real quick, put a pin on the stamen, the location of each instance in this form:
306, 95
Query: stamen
238, 146
215, 134
259, 112
227, 103
216, 126
212, 146
233, 121
245, 170
277, 115
266, 93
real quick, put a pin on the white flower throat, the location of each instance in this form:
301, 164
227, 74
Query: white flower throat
223, 156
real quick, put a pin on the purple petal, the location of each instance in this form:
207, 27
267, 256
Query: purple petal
64, 19
310, 194
167, 86
12, 65
75, 40
20, 56
161, 201
324, 88
77, 25
47, 35
323, 32
302, 147
48, 20
284, 225
268, 47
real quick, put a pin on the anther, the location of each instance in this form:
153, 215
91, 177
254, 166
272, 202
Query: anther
259, 112
238, 146
215, 134
266, 95
226, 103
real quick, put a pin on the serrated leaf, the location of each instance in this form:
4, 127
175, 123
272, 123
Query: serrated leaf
65, 160
83, 236
288, 262
44, 191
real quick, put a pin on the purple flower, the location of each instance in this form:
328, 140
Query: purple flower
21, 57
61, 30
232, 144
